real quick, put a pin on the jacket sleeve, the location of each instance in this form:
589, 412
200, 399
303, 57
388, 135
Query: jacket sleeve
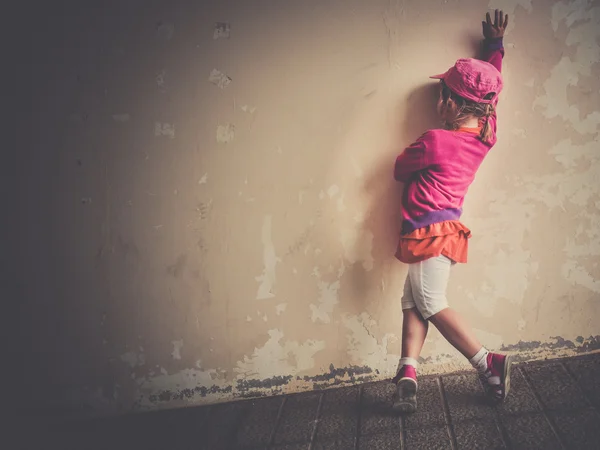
493, 52
413, 159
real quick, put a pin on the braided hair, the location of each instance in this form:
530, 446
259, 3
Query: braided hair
466, 109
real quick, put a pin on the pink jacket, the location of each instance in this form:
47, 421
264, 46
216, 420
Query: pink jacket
440, 166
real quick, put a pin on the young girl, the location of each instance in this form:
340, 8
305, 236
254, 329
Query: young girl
437, 171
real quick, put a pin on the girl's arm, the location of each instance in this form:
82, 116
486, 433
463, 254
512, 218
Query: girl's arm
493, 50
413, 159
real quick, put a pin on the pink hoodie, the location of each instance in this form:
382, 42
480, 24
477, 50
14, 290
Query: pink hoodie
441, 165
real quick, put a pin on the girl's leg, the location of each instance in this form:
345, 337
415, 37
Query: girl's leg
414, 327
429, 280
493, 368
456, 331
414, 332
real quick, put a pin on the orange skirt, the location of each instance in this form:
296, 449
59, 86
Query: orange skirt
450, 238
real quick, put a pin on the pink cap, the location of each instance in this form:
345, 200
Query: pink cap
473, 79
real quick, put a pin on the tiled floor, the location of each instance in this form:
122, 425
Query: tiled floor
552, 405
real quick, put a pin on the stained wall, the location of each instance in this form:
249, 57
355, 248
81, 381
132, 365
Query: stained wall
207, 212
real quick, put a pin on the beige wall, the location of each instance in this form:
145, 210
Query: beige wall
186, 244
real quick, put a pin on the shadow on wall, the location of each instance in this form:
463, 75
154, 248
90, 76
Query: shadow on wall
384, 193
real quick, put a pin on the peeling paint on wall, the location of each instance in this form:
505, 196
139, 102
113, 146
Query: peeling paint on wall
225, 133
275, 358
510, 6
222, 30
133, 359
328, 298
333, 190
177, 346
358, 246
161, 80
248, 109
124, 117
187, 384
164, 129
270, 260
365, 349
165, 30
568, 72
219, 79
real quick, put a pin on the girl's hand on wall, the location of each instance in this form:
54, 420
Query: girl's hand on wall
496, 29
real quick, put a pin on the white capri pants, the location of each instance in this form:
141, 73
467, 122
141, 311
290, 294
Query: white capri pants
425, 286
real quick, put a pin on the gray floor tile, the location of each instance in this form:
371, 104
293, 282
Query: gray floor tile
258, 422
181, 429
376, 410
222, 423
298, 419
334, 444
432, 438
340, 400
530, 432
304, 446
555, 387
478, 434
578, 429
587, 374
339, 415
430, 408
465, 397
382, 441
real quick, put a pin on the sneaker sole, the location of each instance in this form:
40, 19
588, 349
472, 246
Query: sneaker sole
408, 403
507, 363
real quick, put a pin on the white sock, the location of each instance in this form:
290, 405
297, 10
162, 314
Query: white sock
479, 361
407, 362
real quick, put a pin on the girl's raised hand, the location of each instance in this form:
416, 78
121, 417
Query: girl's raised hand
496, 29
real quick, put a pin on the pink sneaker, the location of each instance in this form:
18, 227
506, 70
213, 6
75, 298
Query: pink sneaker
496, 379
405, 399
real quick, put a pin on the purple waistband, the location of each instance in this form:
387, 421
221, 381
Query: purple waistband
410, 225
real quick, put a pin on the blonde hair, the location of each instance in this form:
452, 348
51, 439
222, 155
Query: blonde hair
466, 109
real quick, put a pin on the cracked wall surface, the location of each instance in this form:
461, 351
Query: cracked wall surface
206, 208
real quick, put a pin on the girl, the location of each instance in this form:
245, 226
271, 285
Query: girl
437, 171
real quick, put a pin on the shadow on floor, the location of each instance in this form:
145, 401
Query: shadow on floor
552, 405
